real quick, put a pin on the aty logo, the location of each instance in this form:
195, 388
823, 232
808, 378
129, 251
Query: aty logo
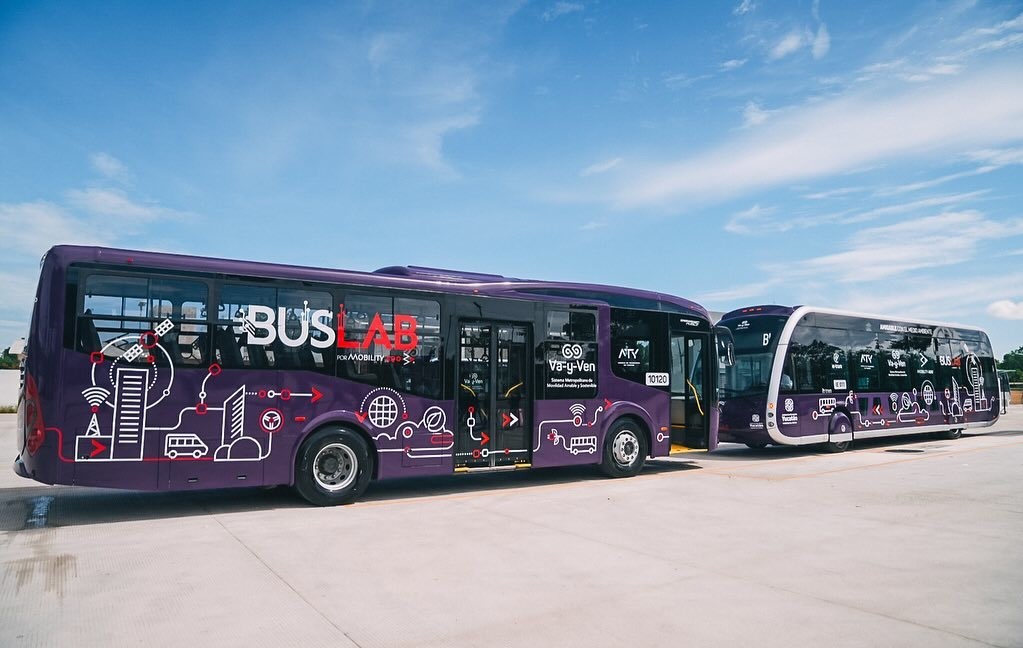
626, 352
789, 405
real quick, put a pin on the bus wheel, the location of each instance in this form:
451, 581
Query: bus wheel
625, 449
334, 467
840, 425
954, 433
756, 445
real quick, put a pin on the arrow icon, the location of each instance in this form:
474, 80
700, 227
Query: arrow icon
485, 440
877, 409
361, 417
97, 448
317, 395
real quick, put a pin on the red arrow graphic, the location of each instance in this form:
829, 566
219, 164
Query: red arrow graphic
877, 409
486, 439
607, 404
97, 448
361, 417
505, 419
317, 395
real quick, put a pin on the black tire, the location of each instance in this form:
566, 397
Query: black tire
333, 467
952, 434
625, 449
840, 424
756, 445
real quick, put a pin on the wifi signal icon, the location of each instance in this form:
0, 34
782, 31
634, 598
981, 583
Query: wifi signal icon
95, 395
578, 409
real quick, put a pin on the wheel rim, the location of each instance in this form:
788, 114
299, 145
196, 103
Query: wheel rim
335, 467
625, 448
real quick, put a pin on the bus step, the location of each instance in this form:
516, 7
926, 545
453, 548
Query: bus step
464, 470
681, 449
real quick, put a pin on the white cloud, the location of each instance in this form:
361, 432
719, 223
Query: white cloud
996, 30
751, 220
881, 252
109, 166
998, 157
32, 228
732, 64
589, 226
737, 293
923, 297
821, 42
600, 167
427, 141
792, 42
834, 193
115, 203
744, 7
1005, 309
960, 113
934, 182
559, 9
754, 115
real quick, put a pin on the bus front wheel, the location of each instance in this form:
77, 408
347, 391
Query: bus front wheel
840, 426
954, 433
625, 449
334, 467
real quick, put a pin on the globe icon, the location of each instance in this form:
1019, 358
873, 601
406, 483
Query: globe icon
382, 411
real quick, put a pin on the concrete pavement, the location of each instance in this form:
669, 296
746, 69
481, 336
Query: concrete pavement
906, 542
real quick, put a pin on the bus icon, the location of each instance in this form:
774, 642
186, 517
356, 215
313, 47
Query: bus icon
184, 444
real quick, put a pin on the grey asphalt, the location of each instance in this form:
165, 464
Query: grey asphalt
904, 542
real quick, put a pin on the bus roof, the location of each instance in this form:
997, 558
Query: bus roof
409, 277
774, 309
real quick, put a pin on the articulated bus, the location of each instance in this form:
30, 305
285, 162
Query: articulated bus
169, 372
808, 375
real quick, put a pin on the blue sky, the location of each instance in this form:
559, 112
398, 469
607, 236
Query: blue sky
862, 155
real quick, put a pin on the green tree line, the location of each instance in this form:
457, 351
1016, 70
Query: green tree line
1013, 361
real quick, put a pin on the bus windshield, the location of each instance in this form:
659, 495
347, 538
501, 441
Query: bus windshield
756, 338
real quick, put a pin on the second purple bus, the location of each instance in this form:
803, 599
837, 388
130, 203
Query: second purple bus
809, 375
168, 372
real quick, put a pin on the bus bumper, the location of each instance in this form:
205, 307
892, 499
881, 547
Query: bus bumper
20, 469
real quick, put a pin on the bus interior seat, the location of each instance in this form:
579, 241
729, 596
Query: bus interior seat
258, 358
169, 341
227, 347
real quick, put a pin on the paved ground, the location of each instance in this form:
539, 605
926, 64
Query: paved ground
908, 542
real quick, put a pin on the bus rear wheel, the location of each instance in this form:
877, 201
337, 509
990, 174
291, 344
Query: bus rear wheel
756, 445
334, 467
625, 449
954, 433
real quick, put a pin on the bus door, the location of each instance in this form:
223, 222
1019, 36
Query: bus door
494, 395
690, 388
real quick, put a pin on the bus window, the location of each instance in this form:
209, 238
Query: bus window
117, 309
638, 350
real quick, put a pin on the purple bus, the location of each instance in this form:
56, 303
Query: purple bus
169, 372
809, 375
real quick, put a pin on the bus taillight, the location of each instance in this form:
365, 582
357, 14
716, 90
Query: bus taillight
34, 426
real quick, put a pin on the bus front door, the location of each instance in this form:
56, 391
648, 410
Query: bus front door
494, 395
690, 384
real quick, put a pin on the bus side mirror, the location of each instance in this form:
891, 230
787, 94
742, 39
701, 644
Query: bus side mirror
726, 346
